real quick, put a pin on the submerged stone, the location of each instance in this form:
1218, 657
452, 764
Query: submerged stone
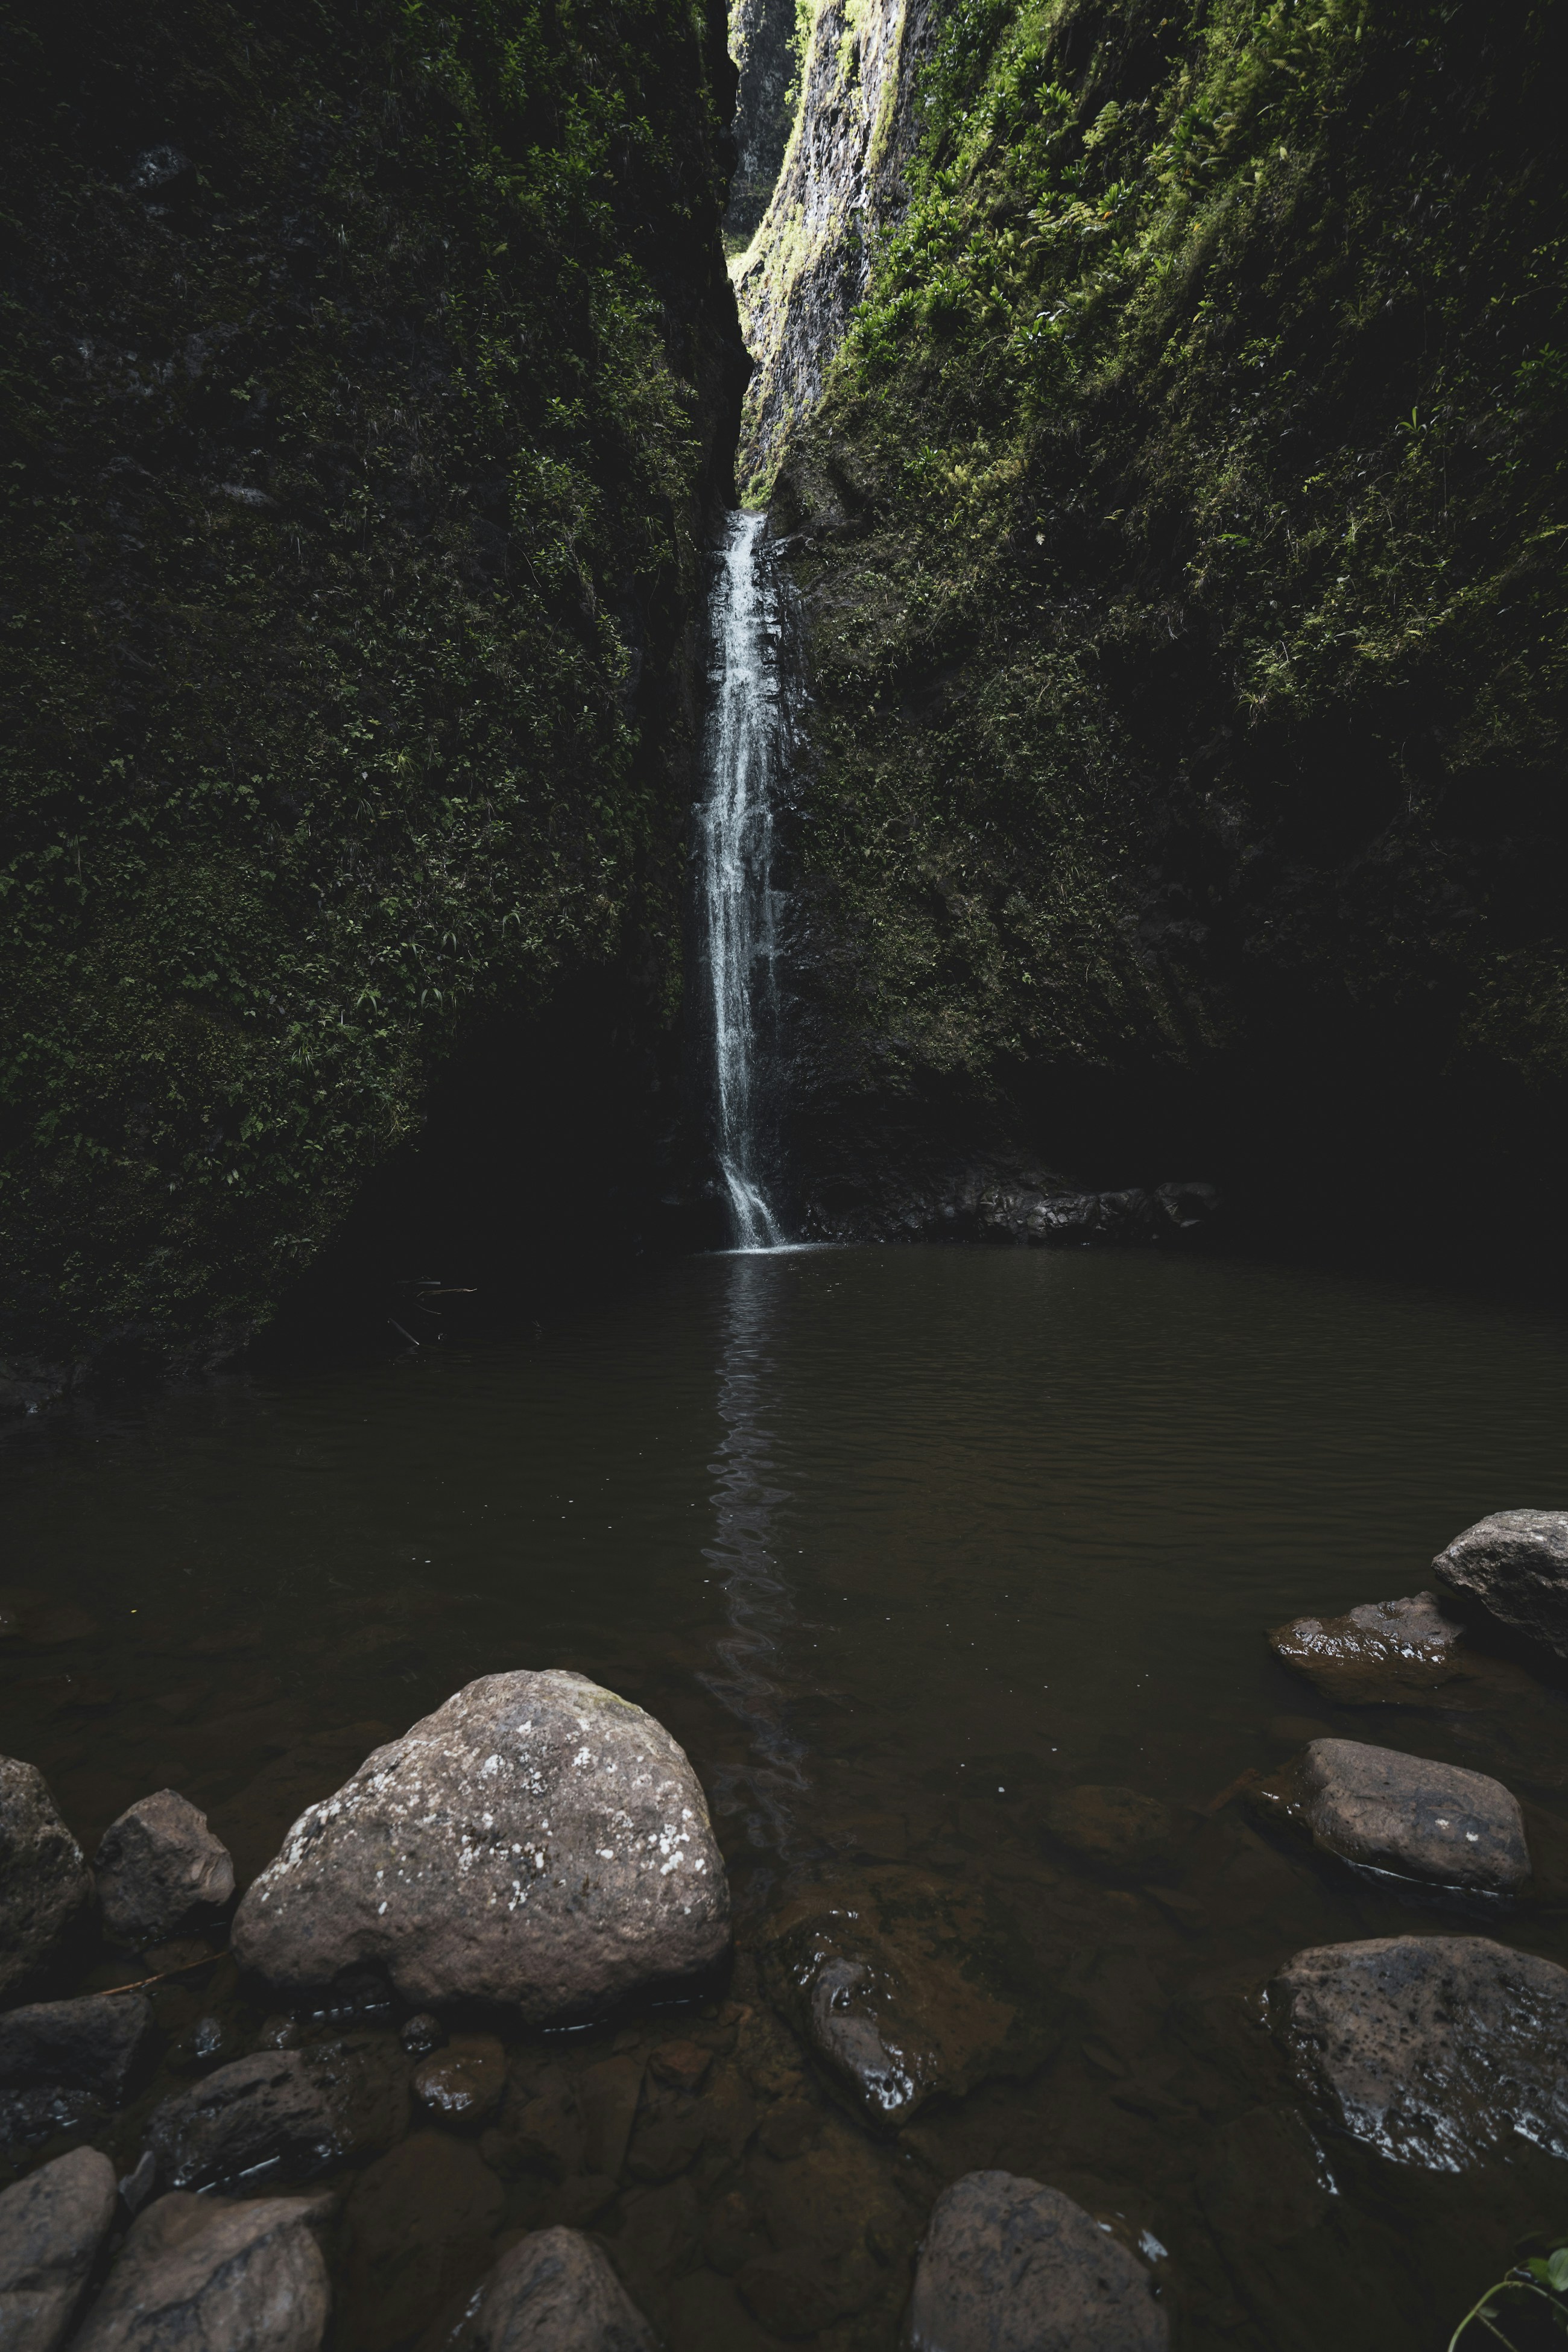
1514, 1565
200, 2274
1009, 2265
465, 2081
1416, 1819
51, 2227
1118, 1828
904, 1988
553, 2292
157, 1864
1436, 2050
45, 1882
536, 1841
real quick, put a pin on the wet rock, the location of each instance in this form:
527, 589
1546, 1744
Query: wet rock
904, 1988
418, 2228
293, 2110
1010, 2266
1514, 1565
1386, 1652
537, 1841
157, 1864
422, 2033
553, 2292
92, 2044
45, 1882
1434, 2050
1404, 1814
200, 2274
682, 2064
465, 2081
51, 2227
1117, 1828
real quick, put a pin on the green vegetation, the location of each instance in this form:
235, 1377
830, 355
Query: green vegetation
1539, 2279
365, 375
1185, 534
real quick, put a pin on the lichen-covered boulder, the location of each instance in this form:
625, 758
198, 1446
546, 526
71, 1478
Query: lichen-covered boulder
157, 1864
199, 2275
536, 1841
51, 2227
45, 1882
1438, 2051
1011, 2266
1514, 1565
1380, 1809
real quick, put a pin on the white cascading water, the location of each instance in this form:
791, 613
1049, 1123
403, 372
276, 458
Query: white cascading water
745, 733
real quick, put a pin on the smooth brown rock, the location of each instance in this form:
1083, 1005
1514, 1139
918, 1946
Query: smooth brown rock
157, 1864
294, 2112
200, 2274
537, 1842
552, 2291
1384, 1653
1010, 2266
465, 2081
51, 2227
1118, 1828
1406, 1815
1436, 2050
1514, 1565
905, 1987
45, 1883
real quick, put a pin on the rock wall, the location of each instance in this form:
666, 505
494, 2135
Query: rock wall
766, 40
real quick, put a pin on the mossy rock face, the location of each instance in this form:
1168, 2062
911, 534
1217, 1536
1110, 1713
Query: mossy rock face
1179, 537
371, 375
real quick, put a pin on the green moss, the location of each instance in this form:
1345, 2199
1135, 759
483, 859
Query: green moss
359, 398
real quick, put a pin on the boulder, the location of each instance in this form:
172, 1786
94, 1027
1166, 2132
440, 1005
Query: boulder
51, 2227
1514, 1566
1435, 2051
904, 1988
45, 1883
536, 1841
201, 2274
157, 1864
1384, 1653
92, 2044
552, 2291
1010, 2266
1406, 1815
1118, 1828
293, 2110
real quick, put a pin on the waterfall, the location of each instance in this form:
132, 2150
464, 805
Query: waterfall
745, 738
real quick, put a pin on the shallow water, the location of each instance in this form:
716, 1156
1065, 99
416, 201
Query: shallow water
900, 1544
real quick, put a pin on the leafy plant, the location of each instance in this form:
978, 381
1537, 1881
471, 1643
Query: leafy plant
1540, 2278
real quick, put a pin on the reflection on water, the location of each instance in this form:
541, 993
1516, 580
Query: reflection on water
759, 1599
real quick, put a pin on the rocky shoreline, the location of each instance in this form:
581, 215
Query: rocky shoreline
491, 1985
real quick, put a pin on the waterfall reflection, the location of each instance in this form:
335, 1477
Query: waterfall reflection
759, 1601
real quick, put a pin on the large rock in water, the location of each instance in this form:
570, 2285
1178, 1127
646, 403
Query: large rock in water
89, 2044
1010, 2266
156, 1864
292, 2111
45, 1883
1403, 1814
1515, 1566
537, 1842
1435, 2050
199, 2275
552, 2291
51, 2227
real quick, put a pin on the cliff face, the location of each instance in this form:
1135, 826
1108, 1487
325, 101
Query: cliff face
1180, 540
841, 186
766, 41
373, 376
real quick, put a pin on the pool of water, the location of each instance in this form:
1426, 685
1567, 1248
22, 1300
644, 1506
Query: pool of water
900, 1544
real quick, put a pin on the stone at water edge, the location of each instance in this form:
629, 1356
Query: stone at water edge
1384, 1653
89, 2044
45, 1883
1008, 2266
552, 2291
292, 2111
536, 1841
1515, 1564
200, 2274
1406, 1814
156, 1864
1436, 2050
51, 2227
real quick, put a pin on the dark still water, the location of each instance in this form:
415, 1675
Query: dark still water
900, 1545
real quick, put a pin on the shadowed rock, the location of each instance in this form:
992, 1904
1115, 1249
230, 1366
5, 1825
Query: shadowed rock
298, 2111
1435, 2050
92, 2044
1010, 2266
157, 1864
199, 2275
51, 2227
1419, 1819
552, 2291
1514, 1565
537, 1841
45, 1883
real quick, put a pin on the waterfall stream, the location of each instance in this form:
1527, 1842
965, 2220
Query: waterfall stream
745, 738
